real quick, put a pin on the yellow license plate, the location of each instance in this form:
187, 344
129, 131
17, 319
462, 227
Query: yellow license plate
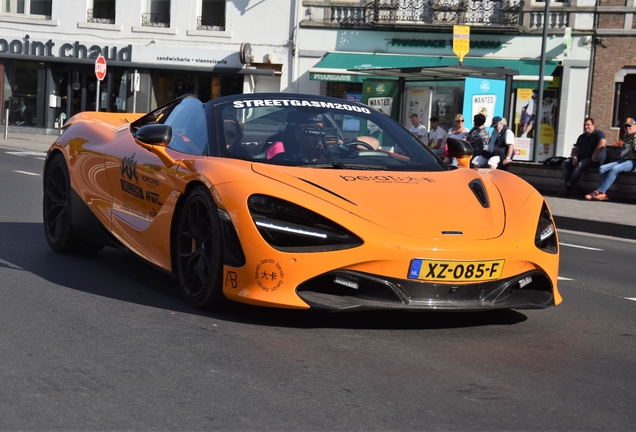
455, 271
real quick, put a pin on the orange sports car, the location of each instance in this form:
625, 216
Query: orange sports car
299, 201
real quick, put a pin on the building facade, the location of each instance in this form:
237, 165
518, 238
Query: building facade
155, 50
614, 77
339, 40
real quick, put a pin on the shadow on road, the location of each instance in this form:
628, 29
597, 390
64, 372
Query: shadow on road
122, 276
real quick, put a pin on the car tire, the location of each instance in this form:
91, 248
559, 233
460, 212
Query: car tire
56, 208
199, 251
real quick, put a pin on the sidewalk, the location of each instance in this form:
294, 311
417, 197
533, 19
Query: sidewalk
23, 141
617, 219
611, 218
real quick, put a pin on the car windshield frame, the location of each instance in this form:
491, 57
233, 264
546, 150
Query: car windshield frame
317, 132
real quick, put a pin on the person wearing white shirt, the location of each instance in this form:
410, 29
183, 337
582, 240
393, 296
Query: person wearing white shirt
436, 136
501, 146
418, 129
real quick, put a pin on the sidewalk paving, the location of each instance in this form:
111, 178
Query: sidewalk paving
611, 218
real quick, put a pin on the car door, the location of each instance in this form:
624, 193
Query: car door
145, 189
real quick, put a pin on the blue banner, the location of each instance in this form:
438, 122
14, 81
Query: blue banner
485, 96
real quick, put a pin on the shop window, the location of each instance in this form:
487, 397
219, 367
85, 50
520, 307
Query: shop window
212, 15
624, 96
21, 94
34, 7
157, 14
103, 12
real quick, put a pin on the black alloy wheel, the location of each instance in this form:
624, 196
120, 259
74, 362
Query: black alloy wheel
199, 251
56, 206
56, 209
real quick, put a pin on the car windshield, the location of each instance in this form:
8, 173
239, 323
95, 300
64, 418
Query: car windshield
318, 133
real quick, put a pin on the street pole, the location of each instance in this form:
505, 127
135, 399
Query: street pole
97, 96
134, 85
539, 105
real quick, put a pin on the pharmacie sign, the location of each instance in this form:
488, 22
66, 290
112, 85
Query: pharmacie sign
333, 77
442, 43
71, 50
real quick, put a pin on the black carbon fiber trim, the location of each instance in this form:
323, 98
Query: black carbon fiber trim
347, 290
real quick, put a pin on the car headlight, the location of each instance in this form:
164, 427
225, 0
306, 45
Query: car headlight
545, 237
289, 227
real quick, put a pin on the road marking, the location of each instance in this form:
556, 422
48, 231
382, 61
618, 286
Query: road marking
26, 153
26, 172
630, 298
580, 247
564, 278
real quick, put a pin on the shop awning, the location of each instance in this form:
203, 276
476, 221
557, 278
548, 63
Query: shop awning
354, 67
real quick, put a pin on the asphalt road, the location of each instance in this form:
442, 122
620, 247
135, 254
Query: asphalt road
104, 343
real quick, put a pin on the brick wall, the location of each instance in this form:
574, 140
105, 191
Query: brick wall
611, 21
612, 54
613, 3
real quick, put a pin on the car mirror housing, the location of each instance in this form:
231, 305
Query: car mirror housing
461, 150
156, 134
155, 138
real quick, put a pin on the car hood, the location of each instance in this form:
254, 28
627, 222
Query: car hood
424, 205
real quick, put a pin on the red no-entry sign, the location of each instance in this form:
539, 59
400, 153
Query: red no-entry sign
100, 67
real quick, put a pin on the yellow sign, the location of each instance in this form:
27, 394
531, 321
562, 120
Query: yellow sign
461, 41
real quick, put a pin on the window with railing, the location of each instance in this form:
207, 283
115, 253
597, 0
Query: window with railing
103, 12
157, 14
27, 7
469, 12
552, 2
212, 15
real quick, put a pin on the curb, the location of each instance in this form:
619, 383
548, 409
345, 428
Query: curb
595, 227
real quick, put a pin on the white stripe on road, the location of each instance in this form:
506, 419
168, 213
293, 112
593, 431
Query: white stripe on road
630, 298
26, 172
580, 247
564, 278
26, 153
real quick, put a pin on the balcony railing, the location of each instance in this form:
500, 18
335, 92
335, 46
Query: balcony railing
468, 12
102, 16
211, 23
155, 20
556, 20
415, 14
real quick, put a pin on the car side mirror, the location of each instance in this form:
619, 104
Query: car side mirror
155, 138
461, 150
155, 134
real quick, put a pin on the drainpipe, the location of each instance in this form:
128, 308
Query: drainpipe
592, 57
538, 109
296, 45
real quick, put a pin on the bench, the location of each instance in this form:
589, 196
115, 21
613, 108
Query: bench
550, 179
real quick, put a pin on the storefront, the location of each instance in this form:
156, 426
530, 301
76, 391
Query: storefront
337, 63
44, 82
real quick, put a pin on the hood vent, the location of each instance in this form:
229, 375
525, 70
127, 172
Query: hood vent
326, 190
480, 192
